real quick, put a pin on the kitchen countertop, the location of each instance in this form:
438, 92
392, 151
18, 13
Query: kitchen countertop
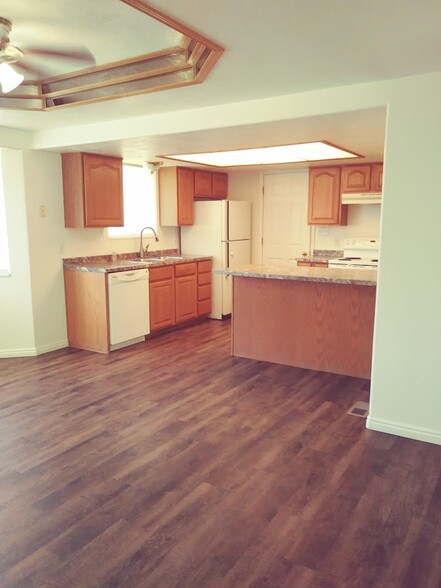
358, 277
106, 264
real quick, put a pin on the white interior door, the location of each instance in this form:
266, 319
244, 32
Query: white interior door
286, 233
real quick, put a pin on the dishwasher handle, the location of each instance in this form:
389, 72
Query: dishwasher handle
129, 276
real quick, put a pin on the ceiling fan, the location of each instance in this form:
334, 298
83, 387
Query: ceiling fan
9, 54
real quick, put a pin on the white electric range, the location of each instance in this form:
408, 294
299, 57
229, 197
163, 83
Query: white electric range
358, 253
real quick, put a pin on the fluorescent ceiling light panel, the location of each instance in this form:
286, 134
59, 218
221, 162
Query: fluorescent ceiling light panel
316, 151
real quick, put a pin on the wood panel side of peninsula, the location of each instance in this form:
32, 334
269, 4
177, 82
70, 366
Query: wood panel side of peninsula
315, 325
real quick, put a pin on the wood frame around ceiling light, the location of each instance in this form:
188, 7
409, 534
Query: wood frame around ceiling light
174, 67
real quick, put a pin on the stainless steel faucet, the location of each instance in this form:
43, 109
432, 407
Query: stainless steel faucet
142, 250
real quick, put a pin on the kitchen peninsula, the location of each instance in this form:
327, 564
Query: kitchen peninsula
307, 317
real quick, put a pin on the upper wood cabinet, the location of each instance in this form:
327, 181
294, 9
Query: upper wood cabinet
324, 204
209, 184
176, 190
365, 177
92, 190
202, 183
377, 177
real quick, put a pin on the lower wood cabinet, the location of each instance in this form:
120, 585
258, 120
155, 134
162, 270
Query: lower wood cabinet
186, 292
204, 287
87, 310
162, 297
312, 264
179, 293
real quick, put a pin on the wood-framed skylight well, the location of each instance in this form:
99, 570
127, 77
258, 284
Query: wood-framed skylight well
269, 155
188, 63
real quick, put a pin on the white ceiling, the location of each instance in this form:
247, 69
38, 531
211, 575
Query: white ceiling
271, 49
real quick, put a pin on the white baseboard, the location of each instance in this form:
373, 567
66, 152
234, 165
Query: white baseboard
33, 351
404, 430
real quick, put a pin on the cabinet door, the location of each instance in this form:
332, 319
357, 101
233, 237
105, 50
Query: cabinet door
202, 183
324, 204
103, 192
355, 178
162, 304
185, 195
377, 177
219, 185
186, 298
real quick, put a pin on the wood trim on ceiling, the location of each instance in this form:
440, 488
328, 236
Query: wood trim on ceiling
200, 55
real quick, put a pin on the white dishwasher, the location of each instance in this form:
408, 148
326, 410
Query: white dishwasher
129, 313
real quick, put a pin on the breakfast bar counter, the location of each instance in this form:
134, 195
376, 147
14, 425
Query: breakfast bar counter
314, 318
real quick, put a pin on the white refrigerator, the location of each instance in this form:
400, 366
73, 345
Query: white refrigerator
222, 230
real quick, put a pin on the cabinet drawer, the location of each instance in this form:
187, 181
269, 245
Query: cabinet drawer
204, 279
204, 307
161, 273
304, 263
185, 269
204, 266
204, 292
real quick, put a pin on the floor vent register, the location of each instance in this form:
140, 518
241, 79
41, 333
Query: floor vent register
360, 409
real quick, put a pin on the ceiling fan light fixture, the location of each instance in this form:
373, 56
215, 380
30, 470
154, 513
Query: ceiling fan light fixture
9, 78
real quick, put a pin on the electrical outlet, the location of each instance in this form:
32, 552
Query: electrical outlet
43, 210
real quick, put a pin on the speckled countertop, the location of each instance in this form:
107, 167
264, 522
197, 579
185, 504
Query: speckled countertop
128, 261
358, 277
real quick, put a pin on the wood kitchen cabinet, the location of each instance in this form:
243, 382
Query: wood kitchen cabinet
204, 287
162, 297
87, 310
209, 184
324, 202
377, 177
312, 263
186, 285
92, 190
365, 177
176, 194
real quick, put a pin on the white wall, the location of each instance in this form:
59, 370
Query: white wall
363, 221
32, 179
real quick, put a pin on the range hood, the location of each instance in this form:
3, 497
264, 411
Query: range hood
361, 198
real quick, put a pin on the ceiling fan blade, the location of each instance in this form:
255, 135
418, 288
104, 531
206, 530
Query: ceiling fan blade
37, 74
83, 55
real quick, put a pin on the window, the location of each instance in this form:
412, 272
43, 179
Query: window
4, 251
140, 209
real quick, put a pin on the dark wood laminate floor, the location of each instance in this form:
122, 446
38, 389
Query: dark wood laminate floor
172, 464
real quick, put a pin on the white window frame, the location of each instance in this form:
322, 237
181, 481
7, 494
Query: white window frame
140, 207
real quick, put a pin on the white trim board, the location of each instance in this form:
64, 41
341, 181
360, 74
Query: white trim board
404, 430
33, 351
